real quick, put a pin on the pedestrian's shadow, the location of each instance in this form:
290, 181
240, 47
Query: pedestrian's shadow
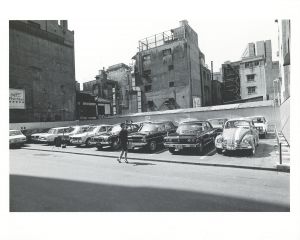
140, 163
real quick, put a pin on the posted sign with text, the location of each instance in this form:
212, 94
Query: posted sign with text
16, 98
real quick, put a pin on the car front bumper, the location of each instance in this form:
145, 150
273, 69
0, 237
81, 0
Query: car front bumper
181, 145
132, 145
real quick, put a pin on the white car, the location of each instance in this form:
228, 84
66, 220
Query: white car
260, 124
16, 138
85, 137
61, 134
55, 135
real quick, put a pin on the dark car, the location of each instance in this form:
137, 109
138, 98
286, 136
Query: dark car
150, 135
111, 138
32, 135
193, 135
218, 124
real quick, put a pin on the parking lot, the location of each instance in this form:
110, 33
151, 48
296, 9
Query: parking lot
265, 157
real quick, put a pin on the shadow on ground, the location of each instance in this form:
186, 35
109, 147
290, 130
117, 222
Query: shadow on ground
36, 194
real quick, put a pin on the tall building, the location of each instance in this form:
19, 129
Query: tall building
121, 73
167, 70
231, 81
257, 72
284, 37
41, 71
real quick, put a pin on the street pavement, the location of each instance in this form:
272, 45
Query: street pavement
43, 180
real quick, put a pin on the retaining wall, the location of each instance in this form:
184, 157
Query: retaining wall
285, 119
264, 108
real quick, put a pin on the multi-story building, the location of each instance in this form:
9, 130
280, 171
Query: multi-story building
167, 70
284, 37
258, 71
231, 81
121, 73
106, 90
41, 71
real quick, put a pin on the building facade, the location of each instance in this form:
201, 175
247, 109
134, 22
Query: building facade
41, 71
284, 32
258, 72
167, 70
231, 81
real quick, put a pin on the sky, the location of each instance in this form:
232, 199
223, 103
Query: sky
103, 42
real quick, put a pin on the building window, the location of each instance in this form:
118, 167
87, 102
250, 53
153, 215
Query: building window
166, 52
147, 57
171, 84
251, 90
256, 63
251, 78
148, 88
171, 67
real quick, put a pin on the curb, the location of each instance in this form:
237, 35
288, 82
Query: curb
275, 169
283, 167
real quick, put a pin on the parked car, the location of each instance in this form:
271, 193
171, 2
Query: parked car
192, 134
111, 138
75, 130
85, 137
150, 135
261, 125
238, 134
16, 138
56, 135
34, 134
218, 124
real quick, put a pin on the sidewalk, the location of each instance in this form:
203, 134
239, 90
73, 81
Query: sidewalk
264, 159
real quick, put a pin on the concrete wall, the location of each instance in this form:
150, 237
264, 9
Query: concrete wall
42, 63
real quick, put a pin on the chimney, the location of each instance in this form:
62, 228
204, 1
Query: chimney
183, 23
64, 24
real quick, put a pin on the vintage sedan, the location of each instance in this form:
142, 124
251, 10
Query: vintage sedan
218, 124
238, 134
111, 138
260, 124
34, 134
150, 135
85, 137
56, 135
194, 135
16, 138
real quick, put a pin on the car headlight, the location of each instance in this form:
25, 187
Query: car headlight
219, 139
190, 140
144, 139
246, 139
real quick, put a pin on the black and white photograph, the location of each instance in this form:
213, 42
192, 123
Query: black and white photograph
178, 111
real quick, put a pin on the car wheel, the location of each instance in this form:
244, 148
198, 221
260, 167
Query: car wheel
219, 150
171, 150
88, 142
152, 146
99, 148
200, 149
57, 142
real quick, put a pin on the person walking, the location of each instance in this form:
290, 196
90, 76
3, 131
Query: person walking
123, 136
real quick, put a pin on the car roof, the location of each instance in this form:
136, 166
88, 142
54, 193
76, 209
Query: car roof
60, 127
216, 119
193, 122
242, 118
255, 117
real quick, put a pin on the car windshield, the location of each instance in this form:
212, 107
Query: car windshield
189, 128
52, 131
14, 133
72, 129
149, 127
91, 129
216, 123
116, 129
258, 120
237, 124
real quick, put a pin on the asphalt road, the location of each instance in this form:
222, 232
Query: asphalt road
53, 181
